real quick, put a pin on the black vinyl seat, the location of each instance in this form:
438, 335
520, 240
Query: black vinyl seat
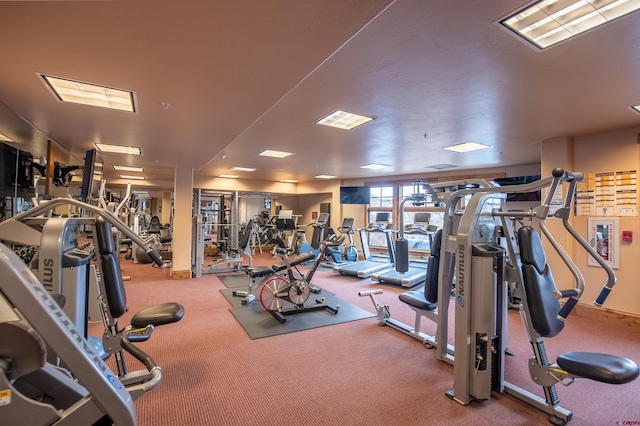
426, 297
154, 225
116, 297
543, 308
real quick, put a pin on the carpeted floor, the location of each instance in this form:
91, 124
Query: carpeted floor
354, 373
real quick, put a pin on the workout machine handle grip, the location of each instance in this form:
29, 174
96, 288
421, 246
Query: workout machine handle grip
563, 294
149, 363
156, 257
567, 308
369, 293
602, 296
137, 353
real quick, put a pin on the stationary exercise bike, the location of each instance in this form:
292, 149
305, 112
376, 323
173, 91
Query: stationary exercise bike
295, 289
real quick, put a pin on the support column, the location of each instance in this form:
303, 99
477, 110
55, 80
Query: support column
166, 207
182, 220
558, 152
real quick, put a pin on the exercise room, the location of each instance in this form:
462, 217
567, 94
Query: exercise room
391, 212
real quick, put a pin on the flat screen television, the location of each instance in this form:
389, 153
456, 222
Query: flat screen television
355, 195
519, 180
89, 181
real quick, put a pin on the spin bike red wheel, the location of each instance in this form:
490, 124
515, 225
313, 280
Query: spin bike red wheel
271, 293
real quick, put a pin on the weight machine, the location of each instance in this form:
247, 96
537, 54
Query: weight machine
232, 247
481, 306
483, 271
424, 301
35, 333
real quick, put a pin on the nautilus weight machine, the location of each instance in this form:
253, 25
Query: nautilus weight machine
481, 308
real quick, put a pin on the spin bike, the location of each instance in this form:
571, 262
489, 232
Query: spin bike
295, 289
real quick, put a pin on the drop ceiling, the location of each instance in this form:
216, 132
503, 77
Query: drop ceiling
218, 82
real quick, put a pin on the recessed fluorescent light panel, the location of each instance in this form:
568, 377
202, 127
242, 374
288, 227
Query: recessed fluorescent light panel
128, 169
132, 177
289, 181
228, 176
344, 120
548, 22
442, 166
325, 177
466, 147
118, 149
374, 166
243, 169
4, 138
275, 154
635, 108
79, 92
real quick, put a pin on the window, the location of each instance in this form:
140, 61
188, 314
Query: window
420, 222
381, 196
380, 212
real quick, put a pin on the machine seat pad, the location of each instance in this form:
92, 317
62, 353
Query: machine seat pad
599, 367
295, 260
259, 271
165, 313
416, 299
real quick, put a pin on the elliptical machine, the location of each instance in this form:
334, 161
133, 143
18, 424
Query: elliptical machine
342, 255
318, 235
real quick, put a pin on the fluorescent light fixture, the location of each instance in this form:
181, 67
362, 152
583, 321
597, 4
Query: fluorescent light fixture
344, 120
442, 166
466, 147
119, 149
132, 177
275, 154
325, 177
228, 176
4, 138
289, 181
78, 92
243, 169
635, 108
128, 169
548, 22
374, 166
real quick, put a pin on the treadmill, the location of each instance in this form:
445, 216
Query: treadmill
372, 263
417, 272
